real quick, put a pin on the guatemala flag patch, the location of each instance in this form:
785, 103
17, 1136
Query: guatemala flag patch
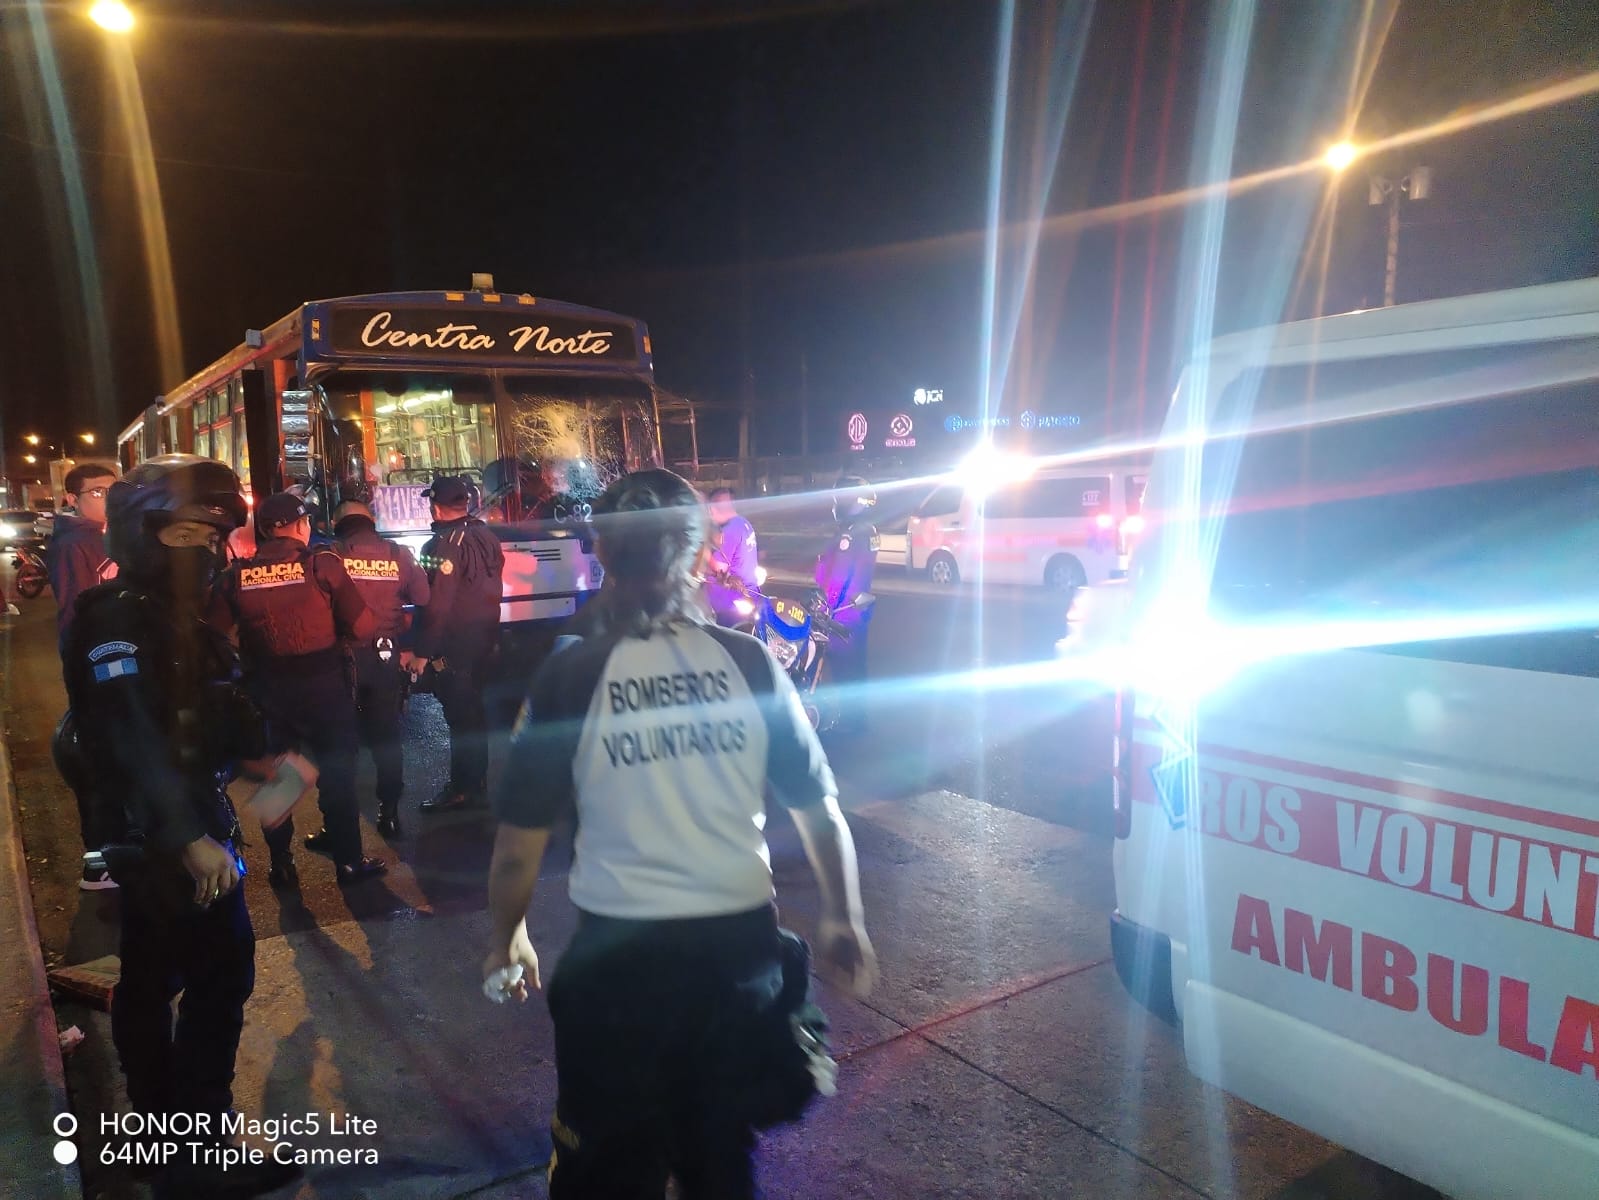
115, 668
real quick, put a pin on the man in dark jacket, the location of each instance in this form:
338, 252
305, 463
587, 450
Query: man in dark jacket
293, 608
388, 579
459, 631
162, 728
76, 558
843, 572
77, 562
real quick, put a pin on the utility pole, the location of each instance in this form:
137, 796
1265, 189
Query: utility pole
805, 409
1416, 185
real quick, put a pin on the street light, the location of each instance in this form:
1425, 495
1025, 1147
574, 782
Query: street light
30, 459
1340, 155
1416, 185
32, 439
88, 438
113, 16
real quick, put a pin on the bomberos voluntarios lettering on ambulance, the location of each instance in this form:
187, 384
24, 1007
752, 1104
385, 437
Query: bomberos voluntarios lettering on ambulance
1524, 878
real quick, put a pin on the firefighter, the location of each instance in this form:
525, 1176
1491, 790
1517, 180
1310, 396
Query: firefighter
388, 579
680, 1011
291, 608
458, 633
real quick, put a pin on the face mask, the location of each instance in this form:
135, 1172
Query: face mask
190, 570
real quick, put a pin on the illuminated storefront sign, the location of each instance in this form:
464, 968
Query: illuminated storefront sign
900, 427
857, 429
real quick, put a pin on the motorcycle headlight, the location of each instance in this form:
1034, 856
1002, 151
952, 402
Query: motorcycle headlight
785, 651
7, 531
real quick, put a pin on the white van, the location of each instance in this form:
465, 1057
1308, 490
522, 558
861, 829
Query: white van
1061, 527
1357, 807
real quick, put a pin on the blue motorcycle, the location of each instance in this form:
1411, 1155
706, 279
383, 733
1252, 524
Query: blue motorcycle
798, 636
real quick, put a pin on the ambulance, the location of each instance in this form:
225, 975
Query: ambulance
1357, 758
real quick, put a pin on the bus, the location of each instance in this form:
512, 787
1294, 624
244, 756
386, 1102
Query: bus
539, 403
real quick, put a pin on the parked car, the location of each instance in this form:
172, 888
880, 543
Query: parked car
1059, 527
18, 527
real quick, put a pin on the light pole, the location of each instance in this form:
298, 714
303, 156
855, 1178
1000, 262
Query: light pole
1416, 185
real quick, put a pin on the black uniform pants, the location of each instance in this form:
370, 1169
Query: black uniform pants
170, 945
844, 676
644, 1015
377, 702
460, 691
315, 712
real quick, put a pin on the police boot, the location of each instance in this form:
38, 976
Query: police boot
447, 800
389, 819
283, 873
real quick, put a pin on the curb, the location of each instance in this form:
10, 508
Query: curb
31, 1069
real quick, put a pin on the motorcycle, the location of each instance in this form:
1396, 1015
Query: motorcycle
32, 577
798, 636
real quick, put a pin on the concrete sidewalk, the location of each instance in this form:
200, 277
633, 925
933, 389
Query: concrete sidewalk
32, 1077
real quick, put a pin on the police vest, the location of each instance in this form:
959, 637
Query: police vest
373, 565
281, 606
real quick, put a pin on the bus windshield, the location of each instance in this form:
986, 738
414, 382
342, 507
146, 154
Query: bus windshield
573, 436
413, 427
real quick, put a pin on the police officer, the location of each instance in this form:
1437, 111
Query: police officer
388, 578
733, 555
291, 607
458, 632
672, 1004
843, 572
161, 727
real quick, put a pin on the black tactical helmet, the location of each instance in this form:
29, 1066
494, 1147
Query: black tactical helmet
852, 496
159, 491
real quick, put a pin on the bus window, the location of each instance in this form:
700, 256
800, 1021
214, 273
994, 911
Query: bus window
420, 426
222, 442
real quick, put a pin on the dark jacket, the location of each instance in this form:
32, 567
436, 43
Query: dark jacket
384, 573
291, 607
844, 569
77, 562
465, 568
159, 719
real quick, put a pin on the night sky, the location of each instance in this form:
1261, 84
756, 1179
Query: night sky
772, 183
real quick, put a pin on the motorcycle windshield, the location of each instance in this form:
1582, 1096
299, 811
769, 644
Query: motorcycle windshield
789, 619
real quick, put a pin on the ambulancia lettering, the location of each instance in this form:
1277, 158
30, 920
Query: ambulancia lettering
1458, 995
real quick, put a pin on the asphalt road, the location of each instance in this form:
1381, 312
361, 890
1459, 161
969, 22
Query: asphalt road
999, 1056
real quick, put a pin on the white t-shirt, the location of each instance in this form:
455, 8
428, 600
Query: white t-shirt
664, 746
